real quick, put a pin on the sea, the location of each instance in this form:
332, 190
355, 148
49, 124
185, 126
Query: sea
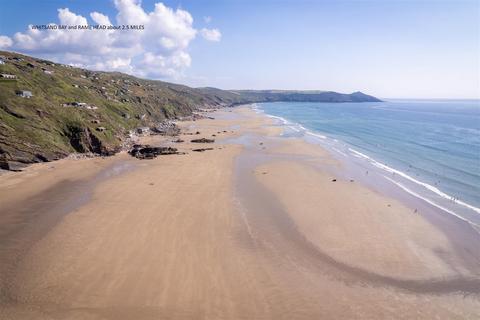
429, 149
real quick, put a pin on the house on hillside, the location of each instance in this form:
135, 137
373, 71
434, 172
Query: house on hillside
47, 71
24, 94
2, 61
75, 104
83, 105
8, 76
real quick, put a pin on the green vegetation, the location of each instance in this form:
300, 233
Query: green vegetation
303, 96
42, 128
78, 110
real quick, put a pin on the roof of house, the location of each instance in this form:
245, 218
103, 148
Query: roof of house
24, 93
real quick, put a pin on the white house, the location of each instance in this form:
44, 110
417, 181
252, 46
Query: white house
80, 105
24, 94
8, 76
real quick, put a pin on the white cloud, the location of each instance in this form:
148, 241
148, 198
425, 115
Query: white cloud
207, 19
160, 50
100, 18
5, 42
211, 34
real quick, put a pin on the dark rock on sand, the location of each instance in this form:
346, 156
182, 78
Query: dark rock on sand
148, 152
12, 165
15, 158
203, 140
202, 149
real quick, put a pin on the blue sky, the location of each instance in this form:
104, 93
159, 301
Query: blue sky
391, 49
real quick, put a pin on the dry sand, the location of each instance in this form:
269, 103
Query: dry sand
250, 230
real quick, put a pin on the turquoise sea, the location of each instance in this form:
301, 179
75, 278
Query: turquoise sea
429, 149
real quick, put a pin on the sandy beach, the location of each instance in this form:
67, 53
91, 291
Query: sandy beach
255, 228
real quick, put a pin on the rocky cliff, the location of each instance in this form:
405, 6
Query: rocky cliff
49, 110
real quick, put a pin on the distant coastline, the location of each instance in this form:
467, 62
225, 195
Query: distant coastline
51, 110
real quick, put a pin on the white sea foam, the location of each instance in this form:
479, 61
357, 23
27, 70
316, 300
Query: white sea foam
406, 176
294, 126
282, 120
401, 186
316, 135
302, 127
384, 167
294, 129
255, 108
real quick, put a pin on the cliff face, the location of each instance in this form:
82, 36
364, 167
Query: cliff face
49, 110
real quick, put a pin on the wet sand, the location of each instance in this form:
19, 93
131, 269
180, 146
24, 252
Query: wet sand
254, 229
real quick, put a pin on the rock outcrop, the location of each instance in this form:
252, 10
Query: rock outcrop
166, 128
202, 149
203, 140
148, 152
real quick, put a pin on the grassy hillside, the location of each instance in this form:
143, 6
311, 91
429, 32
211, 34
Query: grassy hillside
51, 124
41, 128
